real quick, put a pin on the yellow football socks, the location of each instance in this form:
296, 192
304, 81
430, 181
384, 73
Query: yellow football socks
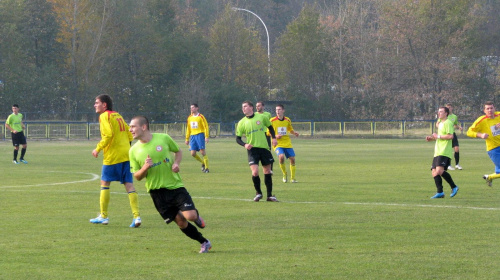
283, 169
205, 161
134, 203
198, 158
104, 201
493, 176
292, 172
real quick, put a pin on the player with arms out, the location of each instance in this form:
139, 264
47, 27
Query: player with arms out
283, 128
443, 151
151, 158
115, 142
254, 127
197, 136
487, 127
15, 124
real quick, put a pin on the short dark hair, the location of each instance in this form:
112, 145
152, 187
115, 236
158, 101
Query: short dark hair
261, 102
15, 105
488, 103
106, 99
281, 105
142, 121
446, 110
249, 103
195, 105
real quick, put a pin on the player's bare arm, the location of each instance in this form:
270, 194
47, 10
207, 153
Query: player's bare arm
143, 172
177, 161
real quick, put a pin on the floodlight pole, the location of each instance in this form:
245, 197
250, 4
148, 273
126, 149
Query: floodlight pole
268, 49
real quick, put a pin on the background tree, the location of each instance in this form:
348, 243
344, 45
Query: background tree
300, 68
238, 64
338, 59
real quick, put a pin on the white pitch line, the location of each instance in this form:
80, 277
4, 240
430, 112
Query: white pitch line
94, 177
364, 203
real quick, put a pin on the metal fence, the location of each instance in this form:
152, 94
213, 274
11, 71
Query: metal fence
90, 130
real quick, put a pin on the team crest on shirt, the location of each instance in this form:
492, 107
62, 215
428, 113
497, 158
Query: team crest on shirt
159, 148
258, 122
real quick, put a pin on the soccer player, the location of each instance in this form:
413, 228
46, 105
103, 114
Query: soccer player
151, 158
115, 142
197, 135
443, 151
254, 127
283, 127
15, 124
454, 120
487, 127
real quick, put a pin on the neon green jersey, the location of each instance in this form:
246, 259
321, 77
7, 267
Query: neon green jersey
443, 147
160, 149
267, 114
15, 121
254, 128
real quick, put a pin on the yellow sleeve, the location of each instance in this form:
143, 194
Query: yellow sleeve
106, 131
188, 129
205, 124
290, 128
475, 127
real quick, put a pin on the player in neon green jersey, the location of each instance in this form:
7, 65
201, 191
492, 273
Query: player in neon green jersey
16, 126
151, 158
115, 142
254, 127
283, 128
456, 125
443, 151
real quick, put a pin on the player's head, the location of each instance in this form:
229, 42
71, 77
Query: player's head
15, 108
194, 108
106, 101
443, 112
280, 110
142, 121
260, 106
489, 108
139, 125
249, 103
247, 108
449, 106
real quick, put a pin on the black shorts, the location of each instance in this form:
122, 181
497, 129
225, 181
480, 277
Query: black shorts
18, 139
170, 202
454, 142
441, 161
260, 154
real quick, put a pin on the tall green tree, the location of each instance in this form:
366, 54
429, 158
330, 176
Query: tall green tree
238, 63
300, 69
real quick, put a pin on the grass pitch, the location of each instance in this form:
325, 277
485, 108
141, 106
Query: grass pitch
361, 210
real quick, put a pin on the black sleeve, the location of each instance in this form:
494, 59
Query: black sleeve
271, 131
239, 141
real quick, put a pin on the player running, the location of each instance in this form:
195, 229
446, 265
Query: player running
283, 128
